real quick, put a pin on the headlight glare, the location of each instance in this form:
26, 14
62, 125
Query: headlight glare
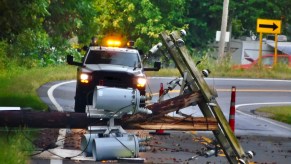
84, 78
141, 82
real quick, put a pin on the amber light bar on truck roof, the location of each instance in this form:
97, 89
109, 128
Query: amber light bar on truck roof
113, 43
117, 43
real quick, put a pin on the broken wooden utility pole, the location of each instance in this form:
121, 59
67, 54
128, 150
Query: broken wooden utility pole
33, 119
207, 104
153, 121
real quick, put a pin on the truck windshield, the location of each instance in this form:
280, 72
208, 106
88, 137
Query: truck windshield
112, 57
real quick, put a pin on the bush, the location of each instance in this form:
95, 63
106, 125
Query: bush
15, 148
3, 55
34, 48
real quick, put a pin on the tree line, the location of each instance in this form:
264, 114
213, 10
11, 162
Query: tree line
42, 32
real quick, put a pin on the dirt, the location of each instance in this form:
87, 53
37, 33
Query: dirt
46, 139
186, 147
262, 114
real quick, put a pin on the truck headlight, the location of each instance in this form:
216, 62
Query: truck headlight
84, 78
141, 82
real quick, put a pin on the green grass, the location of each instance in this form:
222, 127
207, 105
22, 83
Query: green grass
18, 87
15, 147
171, 72
280, 113
276, 73
218, 71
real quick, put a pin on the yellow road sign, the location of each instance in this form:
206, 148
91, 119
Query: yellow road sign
269, 26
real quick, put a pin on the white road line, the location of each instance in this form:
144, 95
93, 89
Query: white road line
56, 161
52, 98
262, 118
62, 132
10, 108
240, 79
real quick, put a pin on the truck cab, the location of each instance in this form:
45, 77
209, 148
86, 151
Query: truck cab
110, 67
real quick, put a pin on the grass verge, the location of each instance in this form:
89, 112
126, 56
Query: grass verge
15, 147
284, 73
279, 113
18, 87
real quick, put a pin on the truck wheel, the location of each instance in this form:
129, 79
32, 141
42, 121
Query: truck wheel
142, 102
80, 105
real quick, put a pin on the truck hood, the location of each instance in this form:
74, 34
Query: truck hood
111, 67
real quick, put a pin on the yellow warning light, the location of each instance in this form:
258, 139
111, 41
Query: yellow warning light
113, 43
130, 44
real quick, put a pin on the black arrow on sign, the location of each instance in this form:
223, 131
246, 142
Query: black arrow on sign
273, 26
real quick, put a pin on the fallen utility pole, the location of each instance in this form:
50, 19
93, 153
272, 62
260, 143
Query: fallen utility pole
33, 119
208, 105
165, 107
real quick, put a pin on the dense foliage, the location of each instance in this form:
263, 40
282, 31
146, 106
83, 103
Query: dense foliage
42, 32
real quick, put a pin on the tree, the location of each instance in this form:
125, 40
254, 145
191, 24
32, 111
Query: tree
203, 18
285, 15
21, 28
141, 21
17, 16
70, 18
40, 29
245, 14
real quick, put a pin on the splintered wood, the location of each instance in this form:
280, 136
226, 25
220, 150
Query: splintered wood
156, 120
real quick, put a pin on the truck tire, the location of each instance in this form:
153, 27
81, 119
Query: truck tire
142, 102
80, 105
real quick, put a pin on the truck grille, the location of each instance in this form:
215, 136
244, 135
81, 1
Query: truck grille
113, 79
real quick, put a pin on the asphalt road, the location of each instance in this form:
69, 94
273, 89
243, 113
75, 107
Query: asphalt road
268, 138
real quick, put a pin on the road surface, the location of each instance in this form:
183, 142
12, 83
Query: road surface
269, 139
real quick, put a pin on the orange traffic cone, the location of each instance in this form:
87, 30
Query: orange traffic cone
232, 109
160, 131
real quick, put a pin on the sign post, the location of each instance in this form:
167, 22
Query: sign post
271, 27
260, 50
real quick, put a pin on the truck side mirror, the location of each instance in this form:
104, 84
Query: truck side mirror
157, 65
85, 48
70, 60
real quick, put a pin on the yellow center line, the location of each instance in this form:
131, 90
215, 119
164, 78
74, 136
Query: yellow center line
254, 90
241, 90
